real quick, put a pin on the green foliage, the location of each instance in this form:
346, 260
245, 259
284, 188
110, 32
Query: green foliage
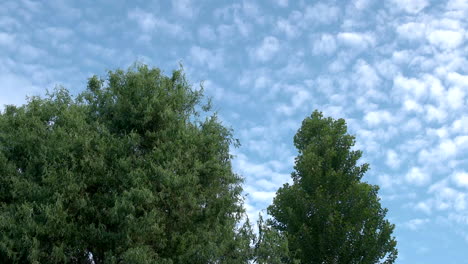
126, 172
271, 246
328, 214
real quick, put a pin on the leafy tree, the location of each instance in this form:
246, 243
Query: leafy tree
126, 172
328, 214
271, 246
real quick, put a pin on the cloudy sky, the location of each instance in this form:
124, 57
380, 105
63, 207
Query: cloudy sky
396, 70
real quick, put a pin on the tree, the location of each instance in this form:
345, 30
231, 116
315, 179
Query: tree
271, 246
126, 172
328, 214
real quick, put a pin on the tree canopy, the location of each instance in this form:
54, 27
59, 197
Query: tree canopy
126, 172
137, 169
328, 214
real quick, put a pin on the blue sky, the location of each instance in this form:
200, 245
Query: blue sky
396, 70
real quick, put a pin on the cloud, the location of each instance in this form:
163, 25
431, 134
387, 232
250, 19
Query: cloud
424, 206
299, 97
221, 94
367, 79
434, 113
269, 47
411, 6
360, 41
393, 160
460, 178
376, 118
416, 223
445, 39
418, 177
361, 4
288, 28
412, 30
206, 57
455, 98
387, 181
447, 198
263, 196
206, 33
282, 3
410, 88
7, 39
184, 8
324, 45
460, 125
321, 13
8, 23
150, 23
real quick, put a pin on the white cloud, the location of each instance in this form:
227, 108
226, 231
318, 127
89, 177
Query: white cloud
221, 94
149, 23
288, 28
361, 4
206, 33
417, 223
282, 3
386, 181
457, 79
460, 178
375, 118
457, 5
393, 160
7, 39
184, 8
262, 81
412, 125
206, 57
411, 105
445, 39
424, 206
269, 47
418, 177
410, 87
455, 98
321, 13
299, 97
446, 198
460, 125
411, 30
411, 6
437, 114
462, 144
356, 40
324, 45
8, 23
263, 196
366, 77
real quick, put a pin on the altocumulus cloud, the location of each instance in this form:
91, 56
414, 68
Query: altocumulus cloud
396, 70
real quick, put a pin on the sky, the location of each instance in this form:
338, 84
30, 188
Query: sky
396, 70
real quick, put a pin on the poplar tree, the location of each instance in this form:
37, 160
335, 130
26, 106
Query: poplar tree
328, 214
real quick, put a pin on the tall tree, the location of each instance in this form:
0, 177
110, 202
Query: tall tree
271, 245
126, 172
328, 214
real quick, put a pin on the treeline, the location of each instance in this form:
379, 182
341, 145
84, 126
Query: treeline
137, 169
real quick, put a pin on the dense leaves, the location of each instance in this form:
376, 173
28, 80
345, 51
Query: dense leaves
126, 172
136, 170
328, 214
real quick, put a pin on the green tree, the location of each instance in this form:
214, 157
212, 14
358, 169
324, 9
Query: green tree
126, 172
271, 245
328, 214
